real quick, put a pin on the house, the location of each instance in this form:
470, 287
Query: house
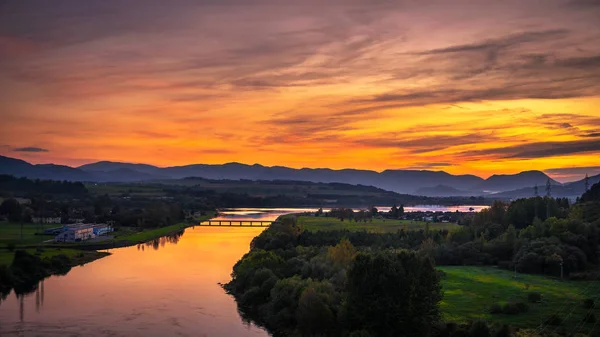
75, 233
45, 220
102, 229
79, 232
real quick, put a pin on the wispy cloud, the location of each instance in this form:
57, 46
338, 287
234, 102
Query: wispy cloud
30, 149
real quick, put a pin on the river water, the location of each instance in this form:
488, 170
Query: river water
168, 287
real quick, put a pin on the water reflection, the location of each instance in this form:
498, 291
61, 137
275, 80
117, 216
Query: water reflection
166, 287
172, 238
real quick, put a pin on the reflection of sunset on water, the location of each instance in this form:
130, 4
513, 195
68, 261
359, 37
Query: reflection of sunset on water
169, 285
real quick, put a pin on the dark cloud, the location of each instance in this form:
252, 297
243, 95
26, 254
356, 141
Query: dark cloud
424, 144
504, 42
538, 150
30, 149
574, 170
428, 165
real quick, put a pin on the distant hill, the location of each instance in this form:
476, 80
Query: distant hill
21, 168
422, 182
442, 191
401, 181
509, 182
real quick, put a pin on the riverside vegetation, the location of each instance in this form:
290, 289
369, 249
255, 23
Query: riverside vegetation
355, 282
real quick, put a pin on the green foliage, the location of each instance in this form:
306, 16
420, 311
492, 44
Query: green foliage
360, 333
313, 315
495, 308
479, 329
342, 254
392, 294
554, 319
534, 297
589, 303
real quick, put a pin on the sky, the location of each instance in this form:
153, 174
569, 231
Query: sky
480, 87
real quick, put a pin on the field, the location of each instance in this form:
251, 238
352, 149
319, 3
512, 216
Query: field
470, 291
76, 256
314, 224
10, 232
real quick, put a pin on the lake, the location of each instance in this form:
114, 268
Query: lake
166, 287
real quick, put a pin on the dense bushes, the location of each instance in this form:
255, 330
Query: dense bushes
27, 270
331, 290
356, 283
534, 297
392, 294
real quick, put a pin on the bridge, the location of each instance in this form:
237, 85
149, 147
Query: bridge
238, 223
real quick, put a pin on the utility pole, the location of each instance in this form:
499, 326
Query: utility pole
587, 182
548, 188
561, 270
535, 190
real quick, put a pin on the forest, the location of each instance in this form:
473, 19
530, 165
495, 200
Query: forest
297, 282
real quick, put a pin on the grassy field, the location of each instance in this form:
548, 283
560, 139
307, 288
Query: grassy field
76, 256
313, 224
131, 189
470, 291
10, 232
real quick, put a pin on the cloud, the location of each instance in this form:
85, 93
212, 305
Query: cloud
493, 45
428, 165
30, 149
573, 170
538, 150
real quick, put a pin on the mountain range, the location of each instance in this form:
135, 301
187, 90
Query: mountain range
419, 182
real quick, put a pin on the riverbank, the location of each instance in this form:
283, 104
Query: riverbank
40, 259
308, 264
29, 238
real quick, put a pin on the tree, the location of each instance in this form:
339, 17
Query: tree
341, 254
392, 294
11, 209
313, 315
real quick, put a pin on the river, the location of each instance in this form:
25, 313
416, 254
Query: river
168, 287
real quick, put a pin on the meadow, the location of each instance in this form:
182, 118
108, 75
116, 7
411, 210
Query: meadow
10, 232
469, 292
378, 225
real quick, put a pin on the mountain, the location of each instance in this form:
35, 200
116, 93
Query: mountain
401, 181
21, 168
442, 191
421, 182
107, 166
509, 182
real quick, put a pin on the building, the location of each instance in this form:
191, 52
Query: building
79, 232
75, 233
102, 229
45, 220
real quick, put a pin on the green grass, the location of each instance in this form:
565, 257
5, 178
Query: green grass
6, 256
314, 224
126, 234
470, 291
10, 232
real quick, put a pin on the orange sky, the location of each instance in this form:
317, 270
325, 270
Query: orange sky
466, 88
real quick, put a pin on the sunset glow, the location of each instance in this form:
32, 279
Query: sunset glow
465, 87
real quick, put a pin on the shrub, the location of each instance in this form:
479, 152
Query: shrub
523, 307
495, 309
510, 309
10, 246
360, 333
534, 297
590, 318
554, 320
589, 303
479, 329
